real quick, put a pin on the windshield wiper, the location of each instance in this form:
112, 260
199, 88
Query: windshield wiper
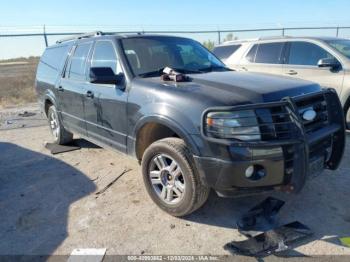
214, 68
159, 72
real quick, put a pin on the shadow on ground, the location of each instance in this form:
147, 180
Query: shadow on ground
35, 203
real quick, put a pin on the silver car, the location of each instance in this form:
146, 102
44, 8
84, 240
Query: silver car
325, 60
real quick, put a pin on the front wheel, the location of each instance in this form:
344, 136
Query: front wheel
171, 178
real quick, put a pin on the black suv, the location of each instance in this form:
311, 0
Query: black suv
193, 123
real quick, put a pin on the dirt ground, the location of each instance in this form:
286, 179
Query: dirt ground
17, 77
49, 205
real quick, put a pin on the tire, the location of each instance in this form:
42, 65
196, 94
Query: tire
167, 165
60, 134
347, 114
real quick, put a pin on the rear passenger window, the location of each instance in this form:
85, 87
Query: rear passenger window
78, 62
303, 53
224, 52
269, 53
105, 56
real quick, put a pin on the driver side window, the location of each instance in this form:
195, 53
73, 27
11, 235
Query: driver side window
105, 56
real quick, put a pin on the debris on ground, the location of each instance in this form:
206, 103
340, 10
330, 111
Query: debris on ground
113, 181
26, 114
272, 241
264, 236
57, 149
172, 226
87, 254
260, 218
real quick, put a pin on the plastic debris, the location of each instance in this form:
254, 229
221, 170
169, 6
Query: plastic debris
272, 241
260, 218
57, 149
26, 114
264, 235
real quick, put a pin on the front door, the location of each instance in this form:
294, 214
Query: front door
105, 104
301, 62
72, 88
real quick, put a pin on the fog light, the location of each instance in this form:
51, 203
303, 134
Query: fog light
255, 172
249, 171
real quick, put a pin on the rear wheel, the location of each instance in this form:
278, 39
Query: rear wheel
171, 178
60, 134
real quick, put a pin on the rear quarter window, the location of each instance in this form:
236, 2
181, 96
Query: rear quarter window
55, 56
51, 63
224, 52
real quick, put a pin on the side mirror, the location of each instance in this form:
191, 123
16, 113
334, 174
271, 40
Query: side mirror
329, 62
104, 75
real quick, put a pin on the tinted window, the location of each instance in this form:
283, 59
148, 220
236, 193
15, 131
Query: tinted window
269, 53
303, 53
55, 56
251, 54
78, 62
223, 52
105, 56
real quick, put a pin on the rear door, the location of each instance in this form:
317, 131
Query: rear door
105, 104
264, 58
301, 62
71, 89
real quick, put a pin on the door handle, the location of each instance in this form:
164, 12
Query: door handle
292, 72
244, 68
90, 94
60, 89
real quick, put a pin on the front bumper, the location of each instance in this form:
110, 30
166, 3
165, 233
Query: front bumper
287, 162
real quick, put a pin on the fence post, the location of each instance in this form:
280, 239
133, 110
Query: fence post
337, 33
282, 31
45, 36
219, 37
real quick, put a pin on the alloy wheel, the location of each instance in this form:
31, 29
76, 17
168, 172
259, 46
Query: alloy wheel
167, 179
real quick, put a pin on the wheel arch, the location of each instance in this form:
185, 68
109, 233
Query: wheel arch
152, 128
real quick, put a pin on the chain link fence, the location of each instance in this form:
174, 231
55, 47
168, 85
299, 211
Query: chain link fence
19, 42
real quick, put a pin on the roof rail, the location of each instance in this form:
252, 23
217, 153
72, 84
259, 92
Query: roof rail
273, 37
80, 36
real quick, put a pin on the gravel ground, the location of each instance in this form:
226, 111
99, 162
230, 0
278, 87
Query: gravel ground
49, 204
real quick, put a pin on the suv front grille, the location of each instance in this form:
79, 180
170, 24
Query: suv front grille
276, 122
319, 105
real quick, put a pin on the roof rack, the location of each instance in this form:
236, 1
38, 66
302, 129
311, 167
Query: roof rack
273, 37
81, 36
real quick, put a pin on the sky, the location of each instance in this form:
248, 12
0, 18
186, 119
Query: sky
121, 15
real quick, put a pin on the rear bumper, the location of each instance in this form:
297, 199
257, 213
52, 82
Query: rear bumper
287, 163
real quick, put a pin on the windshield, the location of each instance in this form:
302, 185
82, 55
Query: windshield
342, 45
147, 56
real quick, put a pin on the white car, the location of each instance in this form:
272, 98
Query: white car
325, 60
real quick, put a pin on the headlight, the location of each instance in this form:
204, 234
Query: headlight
242, 125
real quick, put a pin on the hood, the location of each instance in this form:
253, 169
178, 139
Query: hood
258, 86
232, 88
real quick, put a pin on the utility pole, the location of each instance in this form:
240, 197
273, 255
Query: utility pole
45, 36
